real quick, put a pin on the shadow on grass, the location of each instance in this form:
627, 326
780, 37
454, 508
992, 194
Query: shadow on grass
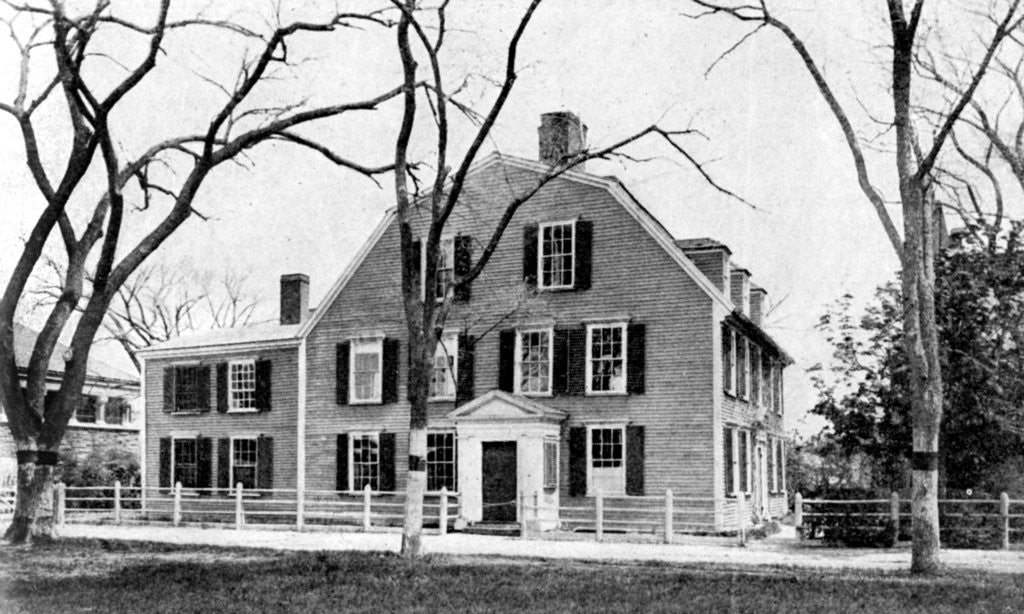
120, 577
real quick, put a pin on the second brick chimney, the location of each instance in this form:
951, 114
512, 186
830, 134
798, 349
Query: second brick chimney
294, 298
561, 135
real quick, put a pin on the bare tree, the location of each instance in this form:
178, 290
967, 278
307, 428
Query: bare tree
914, 161
86, 84
421, 33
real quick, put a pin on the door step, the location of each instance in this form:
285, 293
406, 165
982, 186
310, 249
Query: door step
493, 528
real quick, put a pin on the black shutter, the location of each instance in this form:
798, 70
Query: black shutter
464, 384
530, 254
730, 486
341, 373
506, 360
222, 387
727, 359
560, 361
341, 463
741, 367
635, 460
744, 482
263, 387
387, 462
463, 263
636, 351
584, 250
204, 461
265, 462
576, 372
224, 463
417, 248
578, 461
165, 456
204, 387
169, 389
389, 383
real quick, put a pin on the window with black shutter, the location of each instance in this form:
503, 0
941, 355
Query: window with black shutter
506, 360
577, 461
389, 384
584, 254
188, 389
636, 358
264, 462
164, 478
465, 369
463, 263
341, 464
530, 233
635, 460
729, 461
263, 392
224, 463
728, 361
341, 373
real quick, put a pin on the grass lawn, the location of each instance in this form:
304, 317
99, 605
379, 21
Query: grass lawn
100, 576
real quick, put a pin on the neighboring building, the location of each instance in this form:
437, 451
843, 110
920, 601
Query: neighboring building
104, 419
642, 367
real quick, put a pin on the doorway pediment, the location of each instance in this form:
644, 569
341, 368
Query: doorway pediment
499, 406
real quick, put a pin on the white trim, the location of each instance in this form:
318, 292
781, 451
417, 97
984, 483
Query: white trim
347, 274
378, 385
300, 420
143, 465
517, 371
621, 426
204, 351
540, 254
588, 371
375, 435
455, 451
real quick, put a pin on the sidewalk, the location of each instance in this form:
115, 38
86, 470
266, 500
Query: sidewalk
774, 552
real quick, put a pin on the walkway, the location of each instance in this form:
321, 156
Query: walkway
774, 552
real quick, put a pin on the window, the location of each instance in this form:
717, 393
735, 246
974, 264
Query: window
366, 371
755, 373
533, 362
777, 381
185, 461
117, 411
557, 255
189, 388
606, 359
767, 385
442, 377
729, 360
244, 457
744, 461
87, 409
551, 465
731, 465
782, 464
242, 385
607, 467
773, 464
743, 368
365, 451
441, 462
445, 267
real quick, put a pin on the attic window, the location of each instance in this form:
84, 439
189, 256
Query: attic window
557, 255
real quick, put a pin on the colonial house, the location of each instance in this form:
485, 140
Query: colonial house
595, 353
103, 420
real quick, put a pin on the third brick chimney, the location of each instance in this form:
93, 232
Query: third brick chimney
294, 298
562, 135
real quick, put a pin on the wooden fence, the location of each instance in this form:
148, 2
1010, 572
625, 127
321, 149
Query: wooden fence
1002, 518
240, 507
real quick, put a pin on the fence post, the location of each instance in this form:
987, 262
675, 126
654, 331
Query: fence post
1004, 514
366, 507
520, 508
599, 513
668, 516
442, 514
61, 502
176, 517
117, 501
239, 512
741, 525
536, 511
798, 514
300, 509
894, 513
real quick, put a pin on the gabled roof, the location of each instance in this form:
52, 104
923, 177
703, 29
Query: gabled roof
25, 340
498, 404
240, 337
701, 243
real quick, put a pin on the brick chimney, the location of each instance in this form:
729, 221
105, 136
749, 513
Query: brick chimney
294, 298
711, 257
740, 294
562, 135
758, 304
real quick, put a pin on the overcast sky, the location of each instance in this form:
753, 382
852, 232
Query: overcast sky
620, 65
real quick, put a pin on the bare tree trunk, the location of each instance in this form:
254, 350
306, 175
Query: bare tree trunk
416, 485
33, 508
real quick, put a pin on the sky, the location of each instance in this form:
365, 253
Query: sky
809, 237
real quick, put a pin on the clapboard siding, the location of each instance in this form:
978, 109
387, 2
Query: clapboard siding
280, 422
631, 276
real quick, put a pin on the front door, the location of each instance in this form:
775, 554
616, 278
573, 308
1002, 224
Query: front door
499, 481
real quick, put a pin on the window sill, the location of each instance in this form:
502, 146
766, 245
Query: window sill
185, 412
366, 402
536, 395
441, 400
555, 288
610, 393
243, 411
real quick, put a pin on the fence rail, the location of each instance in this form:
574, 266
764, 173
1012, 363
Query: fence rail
242, 507
1001, 519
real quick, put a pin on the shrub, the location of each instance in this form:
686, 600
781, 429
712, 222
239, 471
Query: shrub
99, 468
856, 525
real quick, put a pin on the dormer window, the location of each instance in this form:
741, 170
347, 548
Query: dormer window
557, 255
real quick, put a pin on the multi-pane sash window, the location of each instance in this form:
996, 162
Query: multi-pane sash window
366, 371
743, 368
607, 461
188, 388
365, 462
534, 364
557, 249
606, 358
186, 463
442, 376
729, 360
441, 462
445, 266
87, 409
243, 462
551, 464
242, 385
117, 411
